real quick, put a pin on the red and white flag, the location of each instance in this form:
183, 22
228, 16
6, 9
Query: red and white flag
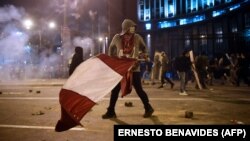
89, 83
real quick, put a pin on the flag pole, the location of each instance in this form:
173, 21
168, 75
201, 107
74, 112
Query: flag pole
191, 54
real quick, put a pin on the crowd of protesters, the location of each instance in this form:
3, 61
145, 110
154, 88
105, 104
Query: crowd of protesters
222, 69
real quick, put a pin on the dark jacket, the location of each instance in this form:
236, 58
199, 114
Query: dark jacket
76, 59
182, 64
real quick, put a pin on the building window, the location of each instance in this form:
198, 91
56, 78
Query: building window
160, 9
187, 41
148, 26
247, 20
191, 6
218, 13
171, 8
166, 24
141, 10
219, 35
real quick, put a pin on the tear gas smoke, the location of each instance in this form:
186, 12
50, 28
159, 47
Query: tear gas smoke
21, 59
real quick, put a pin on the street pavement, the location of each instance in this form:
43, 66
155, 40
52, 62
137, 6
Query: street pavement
29, 110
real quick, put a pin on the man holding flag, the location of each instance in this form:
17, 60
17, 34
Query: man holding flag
78, 96
128, 44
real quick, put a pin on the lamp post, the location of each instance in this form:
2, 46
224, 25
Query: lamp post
101, 45
29, 24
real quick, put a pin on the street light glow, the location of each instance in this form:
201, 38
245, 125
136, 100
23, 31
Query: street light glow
52, 25
100, 39
28, 23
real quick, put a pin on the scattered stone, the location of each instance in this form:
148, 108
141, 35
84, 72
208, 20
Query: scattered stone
189, 114
38, 113
128, 104
30, 91
1, 93
47, 108
236, 122
38, 92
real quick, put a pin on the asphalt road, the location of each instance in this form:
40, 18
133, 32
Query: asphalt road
29, 110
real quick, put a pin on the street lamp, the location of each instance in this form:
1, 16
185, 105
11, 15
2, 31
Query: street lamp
100, 46
52, 25
28, 24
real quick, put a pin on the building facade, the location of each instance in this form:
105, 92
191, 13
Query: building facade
210, 26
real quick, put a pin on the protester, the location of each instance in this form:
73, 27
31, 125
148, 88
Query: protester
155, 69
128, 44
183, 66
243, 70
164, 70
148, 69
76, 59
201, 64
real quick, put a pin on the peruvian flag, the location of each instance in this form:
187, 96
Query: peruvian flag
90, 82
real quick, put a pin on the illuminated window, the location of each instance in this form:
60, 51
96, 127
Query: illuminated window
159, 9
148, 26
194, 5
162, 9
141, 10
234, 29
234, 7
228, 1
187, 41
208, 4
171, 8
191, 6
166, 24
190, 20
147, 10
185, 21
219, 35
198, 18
188, 6
218, 13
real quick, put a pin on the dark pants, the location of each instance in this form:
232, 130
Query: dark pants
242, 75
164, 77
138, 88
202, 74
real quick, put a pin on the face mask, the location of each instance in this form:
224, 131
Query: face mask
132, 29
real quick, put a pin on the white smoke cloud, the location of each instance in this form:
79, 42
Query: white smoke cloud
12, 40
9, 13
86, 43
17, 61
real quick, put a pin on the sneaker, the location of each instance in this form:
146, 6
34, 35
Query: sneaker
109, 115
183, 93
148, 113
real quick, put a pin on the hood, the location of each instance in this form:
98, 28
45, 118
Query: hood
78, 50
126, 24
